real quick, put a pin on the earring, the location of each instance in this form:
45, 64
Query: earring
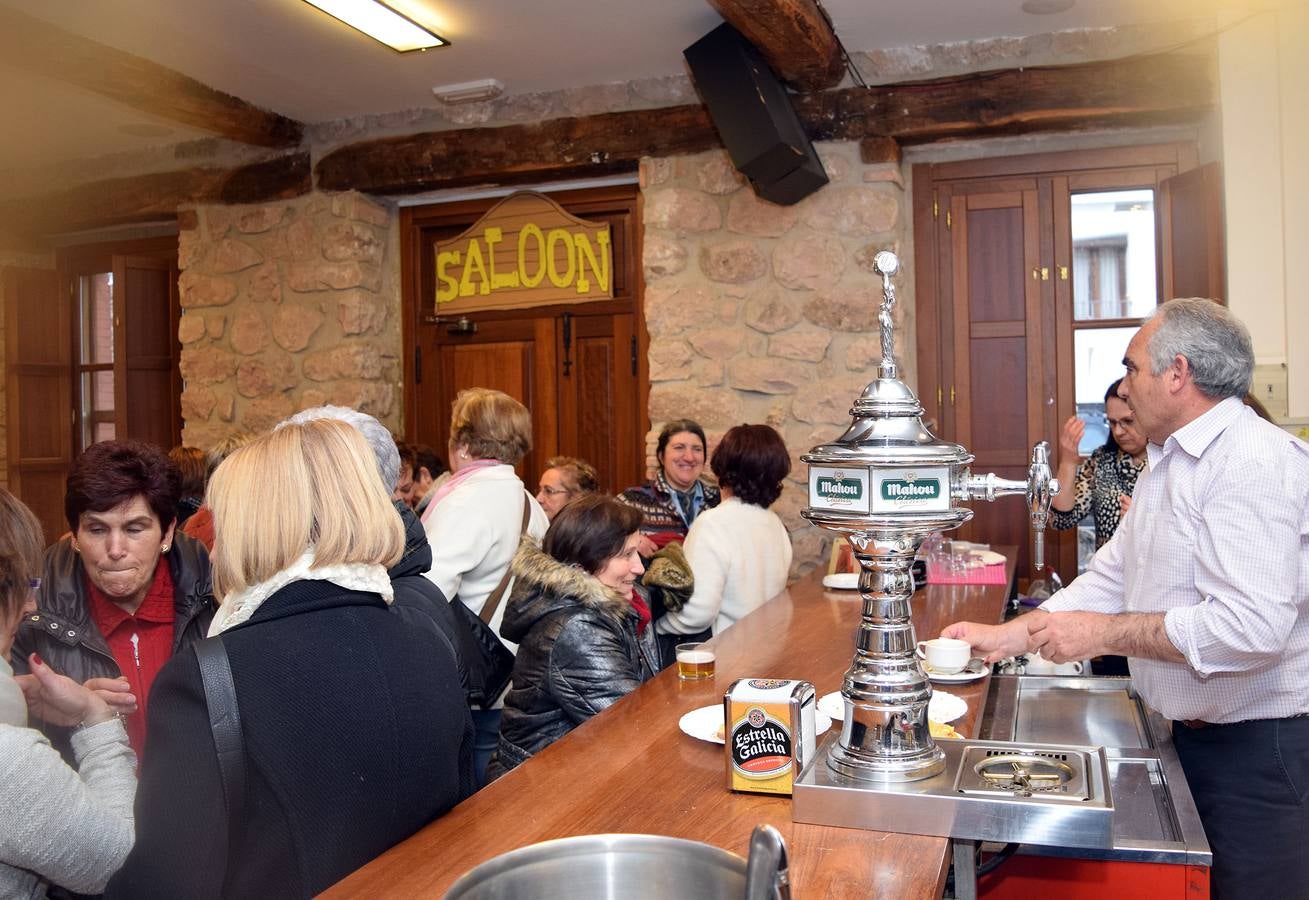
163, 549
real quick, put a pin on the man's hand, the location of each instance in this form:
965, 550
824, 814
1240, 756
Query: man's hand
1064, 636
992, 642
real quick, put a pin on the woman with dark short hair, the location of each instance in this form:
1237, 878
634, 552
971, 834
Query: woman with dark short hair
193, 468
739, 551
122, 593
671, 500
581, 624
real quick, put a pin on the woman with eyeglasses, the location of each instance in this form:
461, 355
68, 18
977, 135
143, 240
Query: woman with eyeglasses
564, 480
58, 825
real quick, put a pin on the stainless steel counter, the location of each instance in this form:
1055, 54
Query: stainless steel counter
1154, 818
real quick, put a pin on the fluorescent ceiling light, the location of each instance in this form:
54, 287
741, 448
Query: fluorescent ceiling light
381, 23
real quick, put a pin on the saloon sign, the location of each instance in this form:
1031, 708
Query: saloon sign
526, 251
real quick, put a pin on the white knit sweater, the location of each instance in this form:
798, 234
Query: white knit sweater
73, 828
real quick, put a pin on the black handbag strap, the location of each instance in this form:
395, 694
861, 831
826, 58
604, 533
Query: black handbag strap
225, 722
493, 599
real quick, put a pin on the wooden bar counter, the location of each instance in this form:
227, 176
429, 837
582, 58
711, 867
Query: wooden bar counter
631, 769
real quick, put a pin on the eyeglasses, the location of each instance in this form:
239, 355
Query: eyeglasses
552, 491
34, 583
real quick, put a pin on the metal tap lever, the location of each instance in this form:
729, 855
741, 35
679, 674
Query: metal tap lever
1039, 487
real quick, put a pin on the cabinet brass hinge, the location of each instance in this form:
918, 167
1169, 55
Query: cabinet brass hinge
947, 220
936, 209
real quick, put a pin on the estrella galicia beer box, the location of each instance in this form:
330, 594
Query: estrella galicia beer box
769, 734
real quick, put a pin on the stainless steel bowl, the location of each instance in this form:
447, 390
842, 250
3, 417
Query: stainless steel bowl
607, 867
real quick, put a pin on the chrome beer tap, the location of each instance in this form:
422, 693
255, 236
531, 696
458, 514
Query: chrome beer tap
885, 485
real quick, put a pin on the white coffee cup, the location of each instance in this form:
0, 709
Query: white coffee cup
945, 655
1039, 665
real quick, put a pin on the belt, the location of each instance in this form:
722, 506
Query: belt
1196, 723
1199, 723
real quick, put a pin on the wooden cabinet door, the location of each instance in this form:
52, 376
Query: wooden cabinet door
39, 398
998, 347
1191, 232
147, 381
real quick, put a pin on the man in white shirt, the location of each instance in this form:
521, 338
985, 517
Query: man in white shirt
1205, 587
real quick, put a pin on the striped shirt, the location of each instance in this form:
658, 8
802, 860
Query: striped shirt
1217, 538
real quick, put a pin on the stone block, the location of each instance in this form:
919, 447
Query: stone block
709, 372
717, 175
888, 173
770, 311
264, 284
708, 407
218, 221
354, 360
864, 353
662, 256
655, 171
323, 276
301, 241
717, 343
259, 219
294, 326
749, 215
376, 398
809, 261
226, 406
827, 402
191, 328
808, 550
835, 163
788, 506
360, 312
259, 377
208, 365
672, 309
768, 376
262, 413
845, 310
735, 261
682, 210
235, 256
809, 344
345, 241
198, 402
190, 248
864, 256
851, 210
669, 360
215, 325
249, 332
204, 290
354, 205
187, 220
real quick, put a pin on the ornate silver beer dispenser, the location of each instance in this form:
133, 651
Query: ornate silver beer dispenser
886, 484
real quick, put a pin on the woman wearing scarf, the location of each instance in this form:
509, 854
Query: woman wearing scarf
474, 521
355, 733
582, 623
670, 501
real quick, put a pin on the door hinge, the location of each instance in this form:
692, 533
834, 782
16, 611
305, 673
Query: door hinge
634, 359
568, 344
952, 395
939, 398
1063, 273
947, 220
936, 208
418, 365
1040, 273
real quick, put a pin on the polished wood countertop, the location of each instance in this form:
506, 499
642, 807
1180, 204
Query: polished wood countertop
631, 769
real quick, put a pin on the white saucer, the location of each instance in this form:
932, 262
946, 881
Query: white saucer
703, 723
842, 581
944, 707
975, 670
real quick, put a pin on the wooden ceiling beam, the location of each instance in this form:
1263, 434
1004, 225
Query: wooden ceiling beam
154, 197
1163, 89
36, 46
794, 37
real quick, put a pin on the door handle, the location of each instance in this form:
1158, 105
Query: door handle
463, 325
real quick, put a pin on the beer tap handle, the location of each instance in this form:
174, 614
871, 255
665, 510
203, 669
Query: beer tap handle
1040, 488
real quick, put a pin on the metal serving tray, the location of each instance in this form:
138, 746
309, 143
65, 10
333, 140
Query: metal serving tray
1154, 817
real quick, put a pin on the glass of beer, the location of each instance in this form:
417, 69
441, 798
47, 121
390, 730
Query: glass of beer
695, 662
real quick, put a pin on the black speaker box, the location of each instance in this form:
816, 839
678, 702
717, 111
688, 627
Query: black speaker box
754, 117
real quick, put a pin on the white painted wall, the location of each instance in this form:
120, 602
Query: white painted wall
1264, 95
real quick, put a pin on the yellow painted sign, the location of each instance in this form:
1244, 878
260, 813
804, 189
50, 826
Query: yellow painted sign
526, 251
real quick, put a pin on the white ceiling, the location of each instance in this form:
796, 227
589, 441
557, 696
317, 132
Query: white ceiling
289, 57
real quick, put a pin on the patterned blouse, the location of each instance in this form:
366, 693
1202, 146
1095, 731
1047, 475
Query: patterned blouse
1100, 480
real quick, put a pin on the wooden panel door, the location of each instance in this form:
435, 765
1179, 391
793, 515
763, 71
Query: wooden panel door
997, 347
1191, 234
598, 413
39, 393
147, 381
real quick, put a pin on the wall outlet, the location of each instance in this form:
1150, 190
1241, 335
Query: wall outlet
1269, 388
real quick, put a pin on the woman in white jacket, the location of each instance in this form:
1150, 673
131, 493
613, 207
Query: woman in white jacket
474, 520
739, 551
70, 827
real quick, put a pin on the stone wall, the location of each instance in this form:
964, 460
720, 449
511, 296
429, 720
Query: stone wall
766, 313
288, 305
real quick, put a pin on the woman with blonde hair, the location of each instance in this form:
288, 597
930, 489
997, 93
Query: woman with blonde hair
476, 519
354, 732
70, 827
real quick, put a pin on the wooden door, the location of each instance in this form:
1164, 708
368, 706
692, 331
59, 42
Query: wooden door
998, 348
579, 368
147, 381
1191, 234
39, 393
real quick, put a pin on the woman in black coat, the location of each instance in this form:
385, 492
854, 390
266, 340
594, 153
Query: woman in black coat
354, 725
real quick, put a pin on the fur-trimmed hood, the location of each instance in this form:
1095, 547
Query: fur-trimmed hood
542, 585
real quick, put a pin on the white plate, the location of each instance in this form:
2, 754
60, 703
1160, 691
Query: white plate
703, 723
944, 707
972, 672
842, 581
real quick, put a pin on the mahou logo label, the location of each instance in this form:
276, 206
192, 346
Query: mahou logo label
761, 745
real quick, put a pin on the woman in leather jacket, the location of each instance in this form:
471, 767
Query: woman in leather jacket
122, 593
581, 624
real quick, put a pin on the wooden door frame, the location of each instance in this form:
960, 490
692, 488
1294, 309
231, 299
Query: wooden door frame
583, 202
